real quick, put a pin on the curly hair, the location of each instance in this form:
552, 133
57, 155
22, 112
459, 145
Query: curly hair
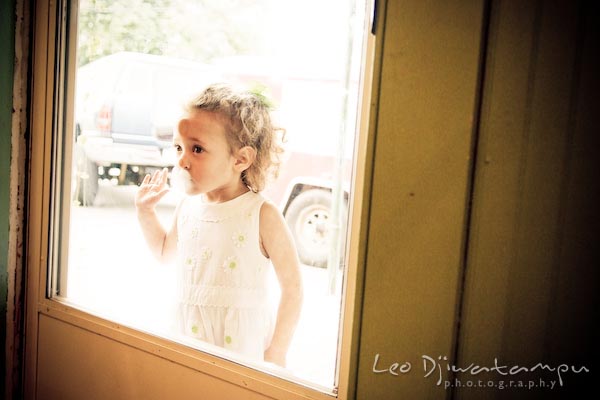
247, 123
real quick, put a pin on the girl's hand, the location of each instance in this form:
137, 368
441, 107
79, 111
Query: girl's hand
275, 357
151, 190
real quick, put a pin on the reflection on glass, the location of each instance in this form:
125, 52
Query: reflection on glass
135, 71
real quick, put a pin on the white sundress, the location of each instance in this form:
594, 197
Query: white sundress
223, 275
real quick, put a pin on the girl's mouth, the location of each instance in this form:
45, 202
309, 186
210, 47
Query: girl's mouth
181, 179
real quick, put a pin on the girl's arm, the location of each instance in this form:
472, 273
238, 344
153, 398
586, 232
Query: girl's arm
162, 244
277, 242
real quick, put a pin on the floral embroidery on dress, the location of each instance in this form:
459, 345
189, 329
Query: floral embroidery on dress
231, 263
190, 262
195, 233
205, 253
239, 239
228, 339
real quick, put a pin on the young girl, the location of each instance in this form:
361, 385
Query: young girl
224, 234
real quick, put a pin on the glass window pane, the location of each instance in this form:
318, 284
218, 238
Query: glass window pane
134, 72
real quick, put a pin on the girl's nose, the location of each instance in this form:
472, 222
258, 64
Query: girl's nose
183, 162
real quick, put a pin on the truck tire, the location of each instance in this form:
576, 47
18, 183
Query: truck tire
309, 219
86, 179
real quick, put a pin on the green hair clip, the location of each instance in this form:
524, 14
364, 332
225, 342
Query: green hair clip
260, 91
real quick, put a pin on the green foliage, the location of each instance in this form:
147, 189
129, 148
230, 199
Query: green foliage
195, 29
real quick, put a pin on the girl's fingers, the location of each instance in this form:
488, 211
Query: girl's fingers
154, 179
164, 176
146, 179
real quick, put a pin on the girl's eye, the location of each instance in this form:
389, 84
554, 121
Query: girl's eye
198, 149
177, 148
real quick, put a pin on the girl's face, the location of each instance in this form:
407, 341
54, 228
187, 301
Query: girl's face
207, 163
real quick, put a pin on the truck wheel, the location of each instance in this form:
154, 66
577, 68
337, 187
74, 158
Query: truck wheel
309, 219
86, 184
